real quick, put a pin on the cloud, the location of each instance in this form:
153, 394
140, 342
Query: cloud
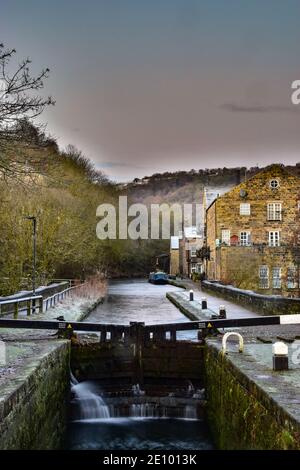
240, 108
118, 165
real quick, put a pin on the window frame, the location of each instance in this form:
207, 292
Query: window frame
273, 180
273, 213
226, 242
243, 205
247, 239
292, 284
276, 280
193, 252
264, 280
273, 243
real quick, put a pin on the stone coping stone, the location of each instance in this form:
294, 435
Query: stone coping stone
191, 309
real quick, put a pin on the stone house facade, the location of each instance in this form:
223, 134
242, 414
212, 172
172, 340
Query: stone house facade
174, 256
253, 234
184, 249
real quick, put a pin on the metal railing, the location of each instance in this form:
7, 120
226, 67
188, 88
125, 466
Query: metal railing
34, 304
51, 301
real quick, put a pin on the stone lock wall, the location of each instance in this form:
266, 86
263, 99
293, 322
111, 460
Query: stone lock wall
33, 414
241, 416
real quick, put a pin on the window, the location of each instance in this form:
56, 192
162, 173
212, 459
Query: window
264, 277
244, 238
274, 184
274, 238
274, 211
226, 237
292, 277
245, 208
276, 278
193, 251
193, 268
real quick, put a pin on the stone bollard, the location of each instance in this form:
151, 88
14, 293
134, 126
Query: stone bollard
222, 311
191, 295
203, 303
280, 353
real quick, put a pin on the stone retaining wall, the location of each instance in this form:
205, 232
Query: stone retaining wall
33, 406
264, 304
243, 414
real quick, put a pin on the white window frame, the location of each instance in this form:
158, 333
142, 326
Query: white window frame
225, 236
193, 251
263, 273
291, 281
193, 268
198, 268
274, 211
274, 183
244, 238
274, 238
245, 208
276, 277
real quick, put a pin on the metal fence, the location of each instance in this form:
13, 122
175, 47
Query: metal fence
34, 304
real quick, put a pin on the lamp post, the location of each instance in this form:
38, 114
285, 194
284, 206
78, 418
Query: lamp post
33, 220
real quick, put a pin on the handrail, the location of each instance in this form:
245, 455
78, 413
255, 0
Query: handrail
34, 303
21, 299
51, 300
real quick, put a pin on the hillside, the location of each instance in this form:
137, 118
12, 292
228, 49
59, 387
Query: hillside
187, 187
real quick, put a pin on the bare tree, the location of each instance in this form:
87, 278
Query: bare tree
20, 103
92, 174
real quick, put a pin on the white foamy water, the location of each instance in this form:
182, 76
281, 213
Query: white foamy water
91, 405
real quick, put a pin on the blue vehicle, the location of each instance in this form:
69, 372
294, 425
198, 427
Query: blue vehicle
158, 278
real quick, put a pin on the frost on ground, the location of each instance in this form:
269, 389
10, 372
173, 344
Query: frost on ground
73, 308
80, 301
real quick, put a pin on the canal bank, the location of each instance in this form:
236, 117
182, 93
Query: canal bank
241, 389
249, 405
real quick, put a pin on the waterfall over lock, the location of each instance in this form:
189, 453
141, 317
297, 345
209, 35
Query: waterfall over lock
90, 404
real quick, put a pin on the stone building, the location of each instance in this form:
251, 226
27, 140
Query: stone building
184, 258
253, 234
174, 256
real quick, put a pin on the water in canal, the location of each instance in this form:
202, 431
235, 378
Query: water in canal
138, 300
95, 425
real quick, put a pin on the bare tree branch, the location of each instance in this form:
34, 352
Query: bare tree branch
20, 104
